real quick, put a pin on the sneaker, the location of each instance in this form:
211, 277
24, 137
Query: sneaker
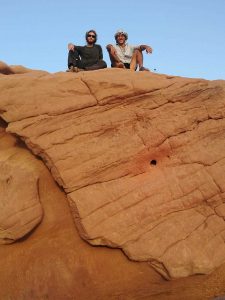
71, 69
76, 69
144, 69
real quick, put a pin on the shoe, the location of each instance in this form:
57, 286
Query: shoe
71, 69
144, 69
76, 69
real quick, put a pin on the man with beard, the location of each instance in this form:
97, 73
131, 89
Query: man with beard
124, 55
88, 57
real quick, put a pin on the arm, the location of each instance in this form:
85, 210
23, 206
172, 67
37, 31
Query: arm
109, 47
145, 47
100, 52
115, 61
112, 53
71, 46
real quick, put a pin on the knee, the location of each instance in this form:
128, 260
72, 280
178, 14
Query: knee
137, 52
71, 54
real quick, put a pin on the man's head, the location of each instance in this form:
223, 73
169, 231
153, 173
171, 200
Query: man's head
91, 36
121, 36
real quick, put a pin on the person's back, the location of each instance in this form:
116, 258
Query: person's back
88, 57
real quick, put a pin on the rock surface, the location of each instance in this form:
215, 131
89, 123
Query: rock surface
20, 208
55, 263
140, 155
5, 69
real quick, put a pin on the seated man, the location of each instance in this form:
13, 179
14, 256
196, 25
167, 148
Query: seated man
88, 57
126, 56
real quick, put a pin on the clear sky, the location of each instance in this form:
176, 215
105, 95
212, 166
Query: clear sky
187, 36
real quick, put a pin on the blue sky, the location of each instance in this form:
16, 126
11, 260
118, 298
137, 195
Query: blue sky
187, 36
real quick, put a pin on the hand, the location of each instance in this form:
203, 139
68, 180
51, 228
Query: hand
109, 47
148, 49
71, 46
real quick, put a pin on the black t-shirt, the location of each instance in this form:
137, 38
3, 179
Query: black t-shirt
90, 55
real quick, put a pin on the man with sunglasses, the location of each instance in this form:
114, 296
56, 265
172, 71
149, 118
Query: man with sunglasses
123, 55
88, 57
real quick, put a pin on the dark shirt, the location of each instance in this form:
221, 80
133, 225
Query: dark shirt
89, 55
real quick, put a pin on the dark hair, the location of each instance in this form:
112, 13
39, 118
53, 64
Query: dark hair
92, 30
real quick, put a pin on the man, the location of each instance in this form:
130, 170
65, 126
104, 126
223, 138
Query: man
88, 57
126, 56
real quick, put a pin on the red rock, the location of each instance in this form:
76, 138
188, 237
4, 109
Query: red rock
140, 156
20, 208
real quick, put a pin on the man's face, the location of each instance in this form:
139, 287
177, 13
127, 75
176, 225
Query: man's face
91, 37
120, 39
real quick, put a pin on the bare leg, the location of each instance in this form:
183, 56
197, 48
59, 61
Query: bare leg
139, 58
140, 61
134, 60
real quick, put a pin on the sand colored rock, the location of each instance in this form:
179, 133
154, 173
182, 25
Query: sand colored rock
12, 70
5, 69
20, 207
140, 155
55, 263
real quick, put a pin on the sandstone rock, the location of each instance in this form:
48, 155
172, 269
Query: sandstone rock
20, 209
10, 70
5, 69
140, 155
55, 263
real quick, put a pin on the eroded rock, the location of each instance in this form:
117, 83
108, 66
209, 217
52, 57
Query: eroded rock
140, 155
5, 69
20, 209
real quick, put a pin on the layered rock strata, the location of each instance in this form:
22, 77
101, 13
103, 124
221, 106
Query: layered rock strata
140, 155
20, 207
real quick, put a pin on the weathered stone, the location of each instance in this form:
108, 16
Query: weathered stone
140, 155
54, 263
5, 69
20, 209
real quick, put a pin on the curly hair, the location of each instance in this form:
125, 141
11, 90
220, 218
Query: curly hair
121, 31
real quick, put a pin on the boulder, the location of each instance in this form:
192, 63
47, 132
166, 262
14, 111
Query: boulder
140, 156
20, 208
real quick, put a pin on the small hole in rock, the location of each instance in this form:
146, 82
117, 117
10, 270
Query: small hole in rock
153, 162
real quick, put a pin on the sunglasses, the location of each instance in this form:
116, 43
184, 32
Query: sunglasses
91, 35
